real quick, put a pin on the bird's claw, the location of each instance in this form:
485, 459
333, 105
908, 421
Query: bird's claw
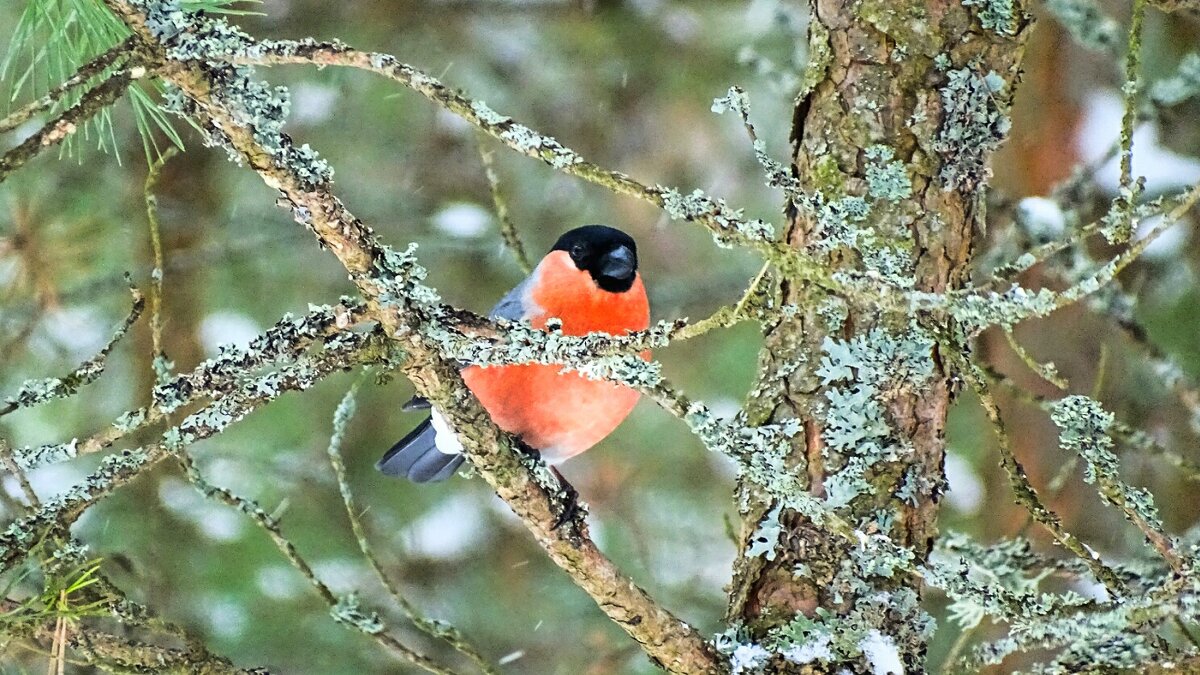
569, 508
564, 497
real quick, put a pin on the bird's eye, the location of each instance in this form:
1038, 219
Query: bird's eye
578, 251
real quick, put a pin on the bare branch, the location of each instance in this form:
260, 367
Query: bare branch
53, 132
86, 72
159, 358
508, 229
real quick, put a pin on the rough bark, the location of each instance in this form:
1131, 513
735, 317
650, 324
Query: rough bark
882, 75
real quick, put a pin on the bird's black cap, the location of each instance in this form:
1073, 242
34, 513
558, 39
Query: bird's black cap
606, 253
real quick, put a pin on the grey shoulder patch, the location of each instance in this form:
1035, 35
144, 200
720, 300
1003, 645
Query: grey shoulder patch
513, 306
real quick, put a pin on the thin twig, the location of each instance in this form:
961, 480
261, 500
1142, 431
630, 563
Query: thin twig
1135, 439
61, 511
56, 130
282, 343
369, 625
436, 629
724, 223
18, 473
1046, 371
508, 229
37, 392
86, 72
1128, 192
159, 358
726, 316
1027, 496
677, 646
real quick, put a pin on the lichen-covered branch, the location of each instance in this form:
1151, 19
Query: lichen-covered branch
283, 343
114, 653
40, 391
1084, 428
243, 116
1027, 496
902, 106
727, 225
864, 299
60, 512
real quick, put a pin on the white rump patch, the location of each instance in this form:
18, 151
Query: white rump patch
443, 436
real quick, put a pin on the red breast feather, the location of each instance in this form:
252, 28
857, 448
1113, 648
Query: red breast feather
564, 413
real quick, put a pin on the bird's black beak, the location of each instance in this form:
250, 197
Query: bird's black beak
619, 263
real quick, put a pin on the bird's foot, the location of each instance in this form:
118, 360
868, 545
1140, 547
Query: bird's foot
570, 509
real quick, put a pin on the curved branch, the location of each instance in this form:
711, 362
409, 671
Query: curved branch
726, 224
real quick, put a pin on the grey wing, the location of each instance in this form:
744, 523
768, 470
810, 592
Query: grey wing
512, 305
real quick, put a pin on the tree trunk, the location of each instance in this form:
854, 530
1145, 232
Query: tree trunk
906, 102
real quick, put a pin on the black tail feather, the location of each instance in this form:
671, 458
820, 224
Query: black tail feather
417, 458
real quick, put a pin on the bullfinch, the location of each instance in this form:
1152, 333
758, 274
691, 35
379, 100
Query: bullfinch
589, 280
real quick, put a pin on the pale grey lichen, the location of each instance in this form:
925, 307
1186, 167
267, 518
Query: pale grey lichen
732, 228
975, 310
1182, 85
348, 610
381, 61
859, 375
745, 656
887, 179
1002, 582
856, 635
973, 125
735, 99
759, 453
1084, 429
487, 115
1087, 23
838, 224
261, 109
27, 530
998, 16
521, 343
766, 535
279, 344
883, 244
548, 149
398, 276
33, 457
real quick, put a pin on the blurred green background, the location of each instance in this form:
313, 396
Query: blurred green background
629, 85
